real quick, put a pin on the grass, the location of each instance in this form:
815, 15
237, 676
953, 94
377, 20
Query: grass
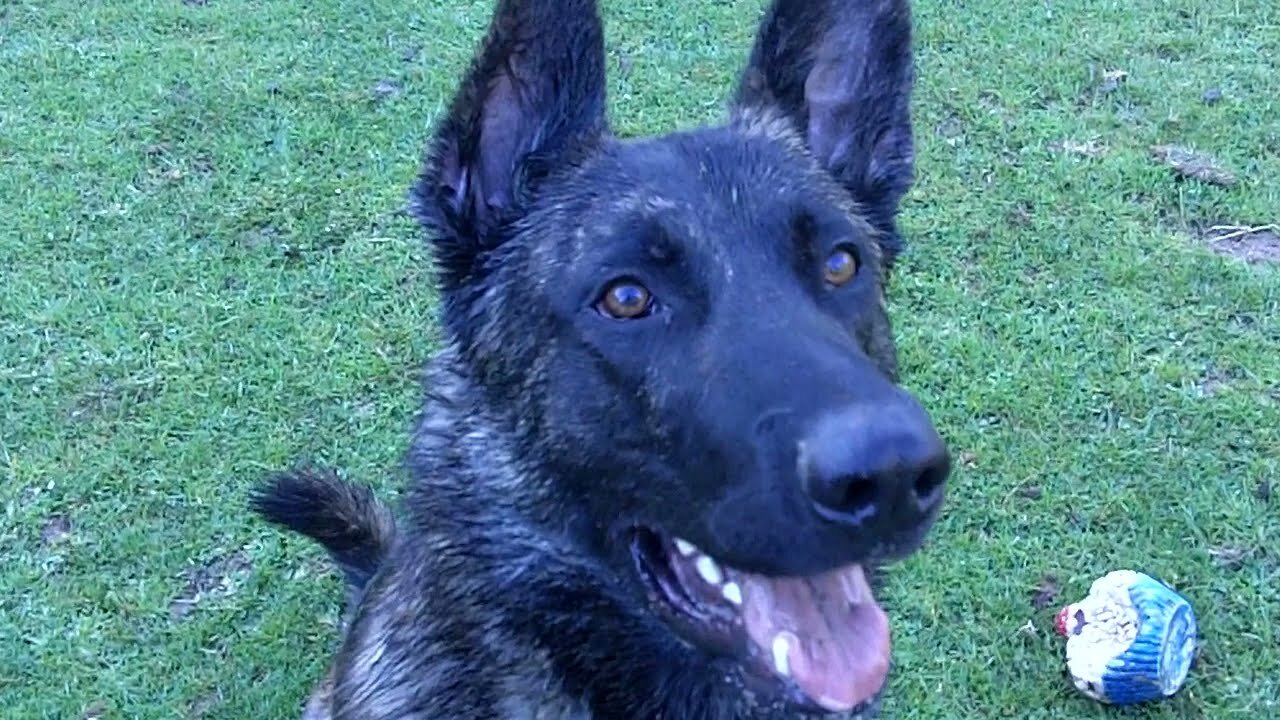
206, 278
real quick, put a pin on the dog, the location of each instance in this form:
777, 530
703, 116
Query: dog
664, 452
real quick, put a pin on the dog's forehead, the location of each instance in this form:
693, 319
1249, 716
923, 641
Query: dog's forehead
718, 167
707, 191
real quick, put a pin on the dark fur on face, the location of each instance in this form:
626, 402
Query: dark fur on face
665, 430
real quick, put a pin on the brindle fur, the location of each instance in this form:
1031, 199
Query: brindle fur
503, 591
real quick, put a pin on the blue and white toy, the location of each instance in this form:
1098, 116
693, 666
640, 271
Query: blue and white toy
1131, 640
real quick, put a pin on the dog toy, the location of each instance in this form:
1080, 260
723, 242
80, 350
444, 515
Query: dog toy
1131, 640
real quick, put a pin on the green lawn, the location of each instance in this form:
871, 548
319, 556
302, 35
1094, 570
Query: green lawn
206, 277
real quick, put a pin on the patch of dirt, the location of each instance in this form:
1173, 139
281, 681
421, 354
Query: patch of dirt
211, 579
164, 167
1046, 593
410, 53
56, 529
951, 130
314, 567
203, 164
1259, 244
989, 100
1030, 275
1231, 557
385, 89
1211, 385
1242, 321
180, 94
1030, 492
625, 63
259, 237
202, 705
110, 397
1021, 214
1078, 521
104, 398
1193, 164
1215, 379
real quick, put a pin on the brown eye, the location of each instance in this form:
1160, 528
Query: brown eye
626, 300
840, 267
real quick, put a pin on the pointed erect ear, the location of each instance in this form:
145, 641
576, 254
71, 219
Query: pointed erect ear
841, 71
533, 97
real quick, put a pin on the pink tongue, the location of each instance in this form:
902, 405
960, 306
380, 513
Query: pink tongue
836, 636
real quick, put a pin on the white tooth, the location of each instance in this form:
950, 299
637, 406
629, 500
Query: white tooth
685, 547
732, 592
781, 662
709, 571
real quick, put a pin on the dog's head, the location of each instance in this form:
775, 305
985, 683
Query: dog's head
691, 329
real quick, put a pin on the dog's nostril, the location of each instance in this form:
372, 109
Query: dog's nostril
856, 495
927, 484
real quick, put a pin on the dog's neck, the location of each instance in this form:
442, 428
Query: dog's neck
465, 453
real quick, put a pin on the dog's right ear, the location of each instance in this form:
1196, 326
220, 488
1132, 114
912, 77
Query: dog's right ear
533, 97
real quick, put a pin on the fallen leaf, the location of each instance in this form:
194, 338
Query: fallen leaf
1193, 164
1088, 148
1111, 80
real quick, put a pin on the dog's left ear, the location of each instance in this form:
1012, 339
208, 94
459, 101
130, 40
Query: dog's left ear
841, 72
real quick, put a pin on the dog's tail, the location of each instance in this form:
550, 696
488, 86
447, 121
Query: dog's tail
352, 525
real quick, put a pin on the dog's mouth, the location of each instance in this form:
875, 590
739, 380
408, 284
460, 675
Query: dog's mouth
822, 640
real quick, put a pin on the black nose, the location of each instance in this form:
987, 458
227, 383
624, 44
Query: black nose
875, 465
